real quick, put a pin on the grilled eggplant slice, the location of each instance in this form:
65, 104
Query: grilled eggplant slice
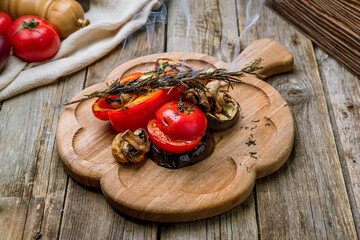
225, 119
175, 161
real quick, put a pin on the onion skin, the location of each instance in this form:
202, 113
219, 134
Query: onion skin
4, 51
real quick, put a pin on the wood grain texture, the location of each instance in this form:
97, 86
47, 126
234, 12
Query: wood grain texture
240, 222
33, 181
150, 192
297, 212
334, 25
342, 89
88, 216
113, 225
211, 30
307, 198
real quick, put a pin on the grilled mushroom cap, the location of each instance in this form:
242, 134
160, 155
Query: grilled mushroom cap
131, 147
221, 110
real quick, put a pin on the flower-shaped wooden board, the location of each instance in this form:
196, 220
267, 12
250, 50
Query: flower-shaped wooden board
208, 188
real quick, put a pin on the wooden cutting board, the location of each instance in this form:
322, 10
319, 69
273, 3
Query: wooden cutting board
334, 25
213, 186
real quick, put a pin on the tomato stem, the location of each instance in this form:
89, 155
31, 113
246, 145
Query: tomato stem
29, 25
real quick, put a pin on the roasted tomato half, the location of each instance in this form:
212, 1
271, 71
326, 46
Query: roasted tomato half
177, 127
137, 112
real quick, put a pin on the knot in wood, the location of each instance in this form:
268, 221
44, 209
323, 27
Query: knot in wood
294, 94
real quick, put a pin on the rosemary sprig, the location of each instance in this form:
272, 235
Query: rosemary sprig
184, 80
184, 108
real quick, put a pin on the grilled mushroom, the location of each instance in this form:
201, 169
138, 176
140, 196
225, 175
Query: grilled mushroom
225, 119
221, 110
131, 147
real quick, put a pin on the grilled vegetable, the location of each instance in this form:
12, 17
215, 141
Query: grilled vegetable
131, 147
125, 112
66, 15
222, 111
174, 161
178, 127
225, 119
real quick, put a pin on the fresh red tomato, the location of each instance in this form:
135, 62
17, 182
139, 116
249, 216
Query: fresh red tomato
177, 130
5, 22
34, 39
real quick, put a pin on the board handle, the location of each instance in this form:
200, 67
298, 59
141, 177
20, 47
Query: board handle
276, 58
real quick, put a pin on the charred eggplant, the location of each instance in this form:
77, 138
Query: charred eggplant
175, 161
225, 119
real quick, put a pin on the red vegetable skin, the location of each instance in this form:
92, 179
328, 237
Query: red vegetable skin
138, 113
100, 108
5, 22
175, 131
39, 40
4, 51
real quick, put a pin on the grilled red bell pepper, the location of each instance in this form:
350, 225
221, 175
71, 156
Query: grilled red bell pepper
137, 113
100, 108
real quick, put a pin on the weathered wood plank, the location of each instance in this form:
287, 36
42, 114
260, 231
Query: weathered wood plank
238, 223
342, 89
305, 199
32, 180
86, 213
333, 25
213, 31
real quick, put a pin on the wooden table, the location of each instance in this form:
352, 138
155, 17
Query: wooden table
315, 195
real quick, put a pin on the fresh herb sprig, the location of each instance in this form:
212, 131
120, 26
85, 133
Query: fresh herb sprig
184, 108
184, 80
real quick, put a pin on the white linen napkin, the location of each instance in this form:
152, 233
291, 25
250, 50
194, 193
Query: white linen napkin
111, 22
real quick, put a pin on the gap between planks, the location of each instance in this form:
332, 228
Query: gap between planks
340, 149
305, 210
342, 159
37, 234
